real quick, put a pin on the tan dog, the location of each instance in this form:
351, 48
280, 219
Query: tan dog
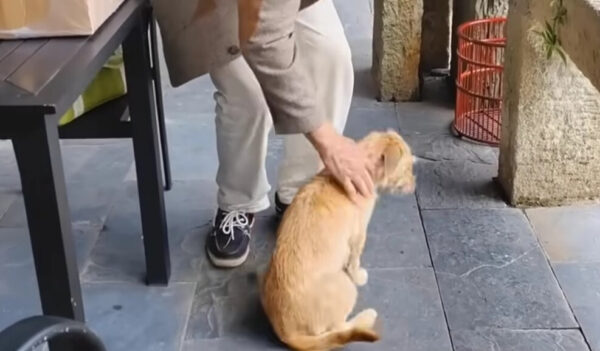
309, 289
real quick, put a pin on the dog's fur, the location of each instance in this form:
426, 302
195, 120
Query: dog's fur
309, 289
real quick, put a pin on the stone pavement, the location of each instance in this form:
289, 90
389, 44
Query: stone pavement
451, 267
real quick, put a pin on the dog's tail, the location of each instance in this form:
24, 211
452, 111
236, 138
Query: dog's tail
361, 328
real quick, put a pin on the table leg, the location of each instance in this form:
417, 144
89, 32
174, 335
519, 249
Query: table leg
162, 129
147, 154
43, 183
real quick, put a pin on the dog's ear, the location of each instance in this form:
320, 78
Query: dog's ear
392, 155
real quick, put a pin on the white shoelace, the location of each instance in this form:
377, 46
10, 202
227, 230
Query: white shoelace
232, 220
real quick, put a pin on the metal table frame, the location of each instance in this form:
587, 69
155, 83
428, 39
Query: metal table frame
39, 80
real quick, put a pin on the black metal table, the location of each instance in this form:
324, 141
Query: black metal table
39, 80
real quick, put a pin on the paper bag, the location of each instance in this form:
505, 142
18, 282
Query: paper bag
50, 18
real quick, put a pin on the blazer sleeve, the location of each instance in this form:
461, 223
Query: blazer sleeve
278, 64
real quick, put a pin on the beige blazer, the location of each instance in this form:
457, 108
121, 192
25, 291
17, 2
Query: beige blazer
200, 35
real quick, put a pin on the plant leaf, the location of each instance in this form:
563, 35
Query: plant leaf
550, 34
549, 52
562, 55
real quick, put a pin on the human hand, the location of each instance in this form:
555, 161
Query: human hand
345, 160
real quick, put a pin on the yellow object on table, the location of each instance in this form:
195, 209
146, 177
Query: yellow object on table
109, 84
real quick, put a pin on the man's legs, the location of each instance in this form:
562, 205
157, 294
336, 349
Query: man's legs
243, 120
243, 123
320, 32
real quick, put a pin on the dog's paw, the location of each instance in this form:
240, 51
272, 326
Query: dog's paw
366, 319
370, 314
361, 277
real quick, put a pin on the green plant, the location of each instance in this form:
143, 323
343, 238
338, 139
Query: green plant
549, 34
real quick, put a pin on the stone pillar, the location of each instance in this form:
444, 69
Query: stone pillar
470, 10
435, 45
397, 48
550, 147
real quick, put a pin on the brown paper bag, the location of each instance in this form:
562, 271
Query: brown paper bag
19, 13
47, 18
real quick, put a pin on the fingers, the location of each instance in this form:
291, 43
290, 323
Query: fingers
350, 189
371, 169
369, 182
361, 185
364, 180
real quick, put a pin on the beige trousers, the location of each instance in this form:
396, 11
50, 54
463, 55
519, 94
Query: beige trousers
243, 121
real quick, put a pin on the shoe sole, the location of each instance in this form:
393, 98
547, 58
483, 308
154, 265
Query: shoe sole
228, 262
279, 212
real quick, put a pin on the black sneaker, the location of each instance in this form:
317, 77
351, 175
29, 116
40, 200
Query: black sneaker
280, 207
229, 243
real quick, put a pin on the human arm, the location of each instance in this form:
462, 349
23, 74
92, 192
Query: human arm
279, 66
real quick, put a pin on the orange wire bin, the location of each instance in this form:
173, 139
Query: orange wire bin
478, 114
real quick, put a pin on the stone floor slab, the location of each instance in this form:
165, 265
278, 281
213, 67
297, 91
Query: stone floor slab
192, 146
492, 273
446, 147
457, 184
227, 311
137, 317
118, 254
89, 204
357, 17
105, 164
187, 101
426, 126
19, 296
409, 306
6, 200
581, 284
395, 235
74, 157
226, 305
518, 340
85, 237
568, 234
9, 174
79, 159
361, 121
423, 118
228, 344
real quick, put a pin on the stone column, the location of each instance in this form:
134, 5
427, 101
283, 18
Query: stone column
435, 45
550, 147
397, 48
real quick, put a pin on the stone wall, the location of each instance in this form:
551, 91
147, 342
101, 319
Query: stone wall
435, 45
580, 37
397, 48
550, 148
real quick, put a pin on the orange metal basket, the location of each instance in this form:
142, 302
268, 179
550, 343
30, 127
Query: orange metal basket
478, 114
